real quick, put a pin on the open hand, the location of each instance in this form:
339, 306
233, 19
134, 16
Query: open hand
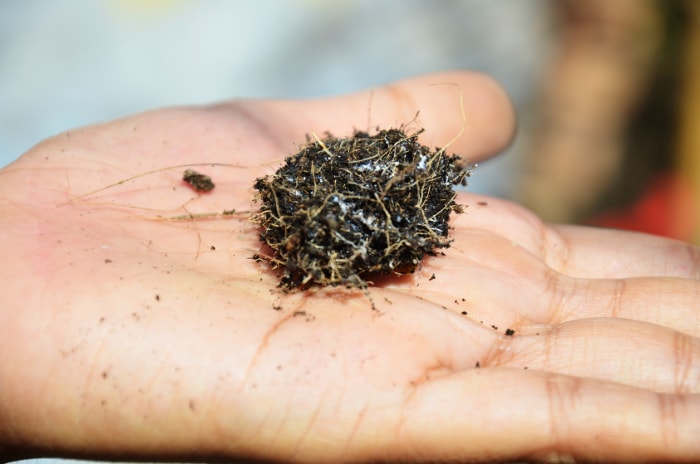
134, 323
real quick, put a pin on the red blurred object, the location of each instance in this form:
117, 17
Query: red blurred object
665, 208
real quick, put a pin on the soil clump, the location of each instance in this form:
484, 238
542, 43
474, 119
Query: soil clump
343, 209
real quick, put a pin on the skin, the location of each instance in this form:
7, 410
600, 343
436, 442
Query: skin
127, 332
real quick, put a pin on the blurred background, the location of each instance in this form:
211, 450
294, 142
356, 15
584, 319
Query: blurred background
607, 92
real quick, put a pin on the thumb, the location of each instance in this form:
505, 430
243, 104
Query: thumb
468, 111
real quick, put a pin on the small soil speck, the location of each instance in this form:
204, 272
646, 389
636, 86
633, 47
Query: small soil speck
432, 277
510, 332
107, 260
197, 181
464, 313
157, 297
494, 327
477, 365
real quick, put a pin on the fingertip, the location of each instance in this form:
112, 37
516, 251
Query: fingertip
490, 116
467, 111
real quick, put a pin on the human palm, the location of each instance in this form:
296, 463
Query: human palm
134, 322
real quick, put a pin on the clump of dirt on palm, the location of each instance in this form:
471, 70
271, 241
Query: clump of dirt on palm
343, 209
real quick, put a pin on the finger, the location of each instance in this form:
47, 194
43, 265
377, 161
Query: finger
624, 351
481, 271
508, 414
237, 139
548, 297
669, 302
580, 251
468, 110
586, 252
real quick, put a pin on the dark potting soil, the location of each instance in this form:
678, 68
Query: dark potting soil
343, 209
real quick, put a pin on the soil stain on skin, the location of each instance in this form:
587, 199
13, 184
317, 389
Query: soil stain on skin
342, 209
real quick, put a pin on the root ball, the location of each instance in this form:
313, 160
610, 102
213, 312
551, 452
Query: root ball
342, 209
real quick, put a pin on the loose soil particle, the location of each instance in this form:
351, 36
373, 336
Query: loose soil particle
199, 182
342, 209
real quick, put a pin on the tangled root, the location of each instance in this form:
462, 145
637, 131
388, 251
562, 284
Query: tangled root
344, 208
